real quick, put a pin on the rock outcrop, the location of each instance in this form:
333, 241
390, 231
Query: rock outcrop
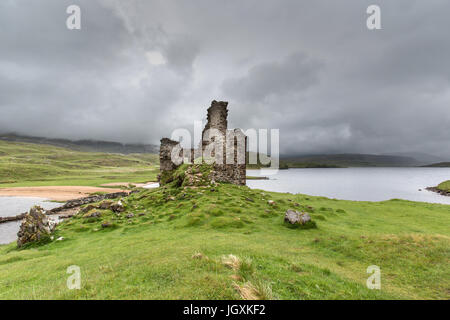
82, 201
70, 206
90, 211
35, 227
13, 218
437, 190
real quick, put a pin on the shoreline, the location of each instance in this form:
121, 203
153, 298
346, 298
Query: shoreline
69, 208
438, 191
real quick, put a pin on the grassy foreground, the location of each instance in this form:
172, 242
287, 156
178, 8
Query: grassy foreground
177, 246
26, 164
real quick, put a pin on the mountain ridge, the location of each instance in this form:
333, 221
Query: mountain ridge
355, 160
413, 159
85, 144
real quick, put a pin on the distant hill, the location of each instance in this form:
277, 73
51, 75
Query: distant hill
286, 161
31, 164
352, 160
425, 158
85, 145
440, 165
286, 164
343, 161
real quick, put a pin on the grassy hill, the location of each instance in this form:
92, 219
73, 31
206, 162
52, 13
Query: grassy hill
445, 186
177, 245
351, 160
439, 165
347, 160
84, 145
30, 164
286, 164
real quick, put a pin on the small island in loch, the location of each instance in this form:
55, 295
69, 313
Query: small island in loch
443, 188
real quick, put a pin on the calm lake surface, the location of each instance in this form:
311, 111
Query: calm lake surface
12, 206
360, 184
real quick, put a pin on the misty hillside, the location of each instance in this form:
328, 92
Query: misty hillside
354, 160
85, 145
425, 158
291, 161
439, 165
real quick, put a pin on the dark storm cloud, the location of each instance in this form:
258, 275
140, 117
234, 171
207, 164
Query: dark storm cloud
139, 69
275, 78
94, 83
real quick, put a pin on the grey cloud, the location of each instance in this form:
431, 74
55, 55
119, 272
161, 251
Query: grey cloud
92, 83
309, 68
295, 73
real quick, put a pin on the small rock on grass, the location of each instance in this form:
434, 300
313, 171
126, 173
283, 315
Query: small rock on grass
106, 224
94, 214
199, 256
117, 207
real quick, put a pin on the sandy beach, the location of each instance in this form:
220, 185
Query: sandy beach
56, 193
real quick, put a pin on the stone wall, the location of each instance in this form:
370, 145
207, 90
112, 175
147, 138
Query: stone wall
231, 144
233, 169
165, 154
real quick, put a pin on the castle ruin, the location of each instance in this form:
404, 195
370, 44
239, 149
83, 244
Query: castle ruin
221, 147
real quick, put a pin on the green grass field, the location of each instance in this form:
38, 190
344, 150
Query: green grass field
25, 164
174, 245
444, 186
155, 256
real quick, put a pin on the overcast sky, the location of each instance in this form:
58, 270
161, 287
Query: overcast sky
139, 69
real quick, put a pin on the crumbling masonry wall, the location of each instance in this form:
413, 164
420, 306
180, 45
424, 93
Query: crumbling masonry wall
165, 155
229, 161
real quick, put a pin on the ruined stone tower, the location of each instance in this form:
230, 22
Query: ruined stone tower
216, 128
224, 147
217, 116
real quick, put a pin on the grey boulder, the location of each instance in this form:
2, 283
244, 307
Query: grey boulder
295, 217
